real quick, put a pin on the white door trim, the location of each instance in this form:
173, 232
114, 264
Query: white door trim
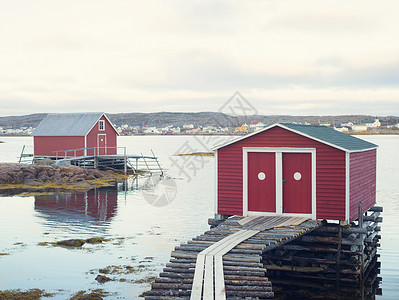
279, 173
98, 143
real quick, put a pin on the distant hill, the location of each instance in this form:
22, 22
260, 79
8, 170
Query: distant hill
21, 121
162, 119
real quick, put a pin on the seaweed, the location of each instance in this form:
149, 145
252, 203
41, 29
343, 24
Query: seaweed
32, 294
97, 294
74, 243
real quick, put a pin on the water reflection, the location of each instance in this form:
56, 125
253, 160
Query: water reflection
76, 210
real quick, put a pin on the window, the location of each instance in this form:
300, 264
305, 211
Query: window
101, 125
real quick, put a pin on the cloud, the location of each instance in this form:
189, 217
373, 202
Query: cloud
288, 57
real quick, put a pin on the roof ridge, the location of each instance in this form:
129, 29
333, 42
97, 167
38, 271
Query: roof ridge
67, 124
323, 134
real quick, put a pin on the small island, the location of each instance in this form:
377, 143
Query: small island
23, 178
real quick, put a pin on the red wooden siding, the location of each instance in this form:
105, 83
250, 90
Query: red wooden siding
45, 145
362, 179
111, 135
330, 172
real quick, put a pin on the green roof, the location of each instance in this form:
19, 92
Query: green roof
332, 136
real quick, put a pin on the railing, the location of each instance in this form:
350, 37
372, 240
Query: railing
102, 151
97, 151
26, 157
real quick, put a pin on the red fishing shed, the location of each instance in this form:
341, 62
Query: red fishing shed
93, 133
296, 170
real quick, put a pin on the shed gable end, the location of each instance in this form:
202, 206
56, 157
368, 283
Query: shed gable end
330, 171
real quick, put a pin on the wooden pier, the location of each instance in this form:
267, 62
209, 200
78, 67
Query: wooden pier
226, 261
99, 159
242, 256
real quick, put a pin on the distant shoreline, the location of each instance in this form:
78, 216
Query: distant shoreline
384, 132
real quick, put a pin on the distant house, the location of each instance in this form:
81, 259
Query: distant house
193, 130
92, 133
341, 128
371, 123
257, 125
360, 127
324, 124
151, 130
347, 124
188, 126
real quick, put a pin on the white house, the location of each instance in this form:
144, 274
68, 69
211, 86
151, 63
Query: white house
153, 130
341, 129
188, 126
372, 123
360, 127
257, 125
347, 124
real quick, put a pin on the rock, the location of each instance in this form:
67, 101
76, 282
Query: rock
45, 178
96, 173
6, 179
71, 243
33, 182
90, 177
44, 162
36, 175
78, 177
95, 240
83, 185
102, 278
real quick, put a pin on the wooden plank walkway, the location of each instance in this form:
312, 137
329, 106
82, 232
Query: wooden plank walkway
225, 262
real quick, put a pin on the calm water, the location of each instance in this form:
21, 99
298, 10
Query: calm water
143, 223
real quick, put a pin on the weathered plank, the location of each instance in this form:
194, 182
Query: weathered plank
225, 262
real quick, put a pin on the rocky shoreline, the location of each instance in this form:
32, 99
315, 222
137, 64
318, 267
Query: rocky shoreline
26, 177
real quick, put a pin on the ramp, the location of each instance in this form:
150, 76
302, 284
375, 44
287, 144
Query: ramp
225, 262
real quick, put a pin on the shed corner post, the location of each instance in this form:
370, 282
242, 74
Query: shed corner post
347, 188
216, 196
245, 181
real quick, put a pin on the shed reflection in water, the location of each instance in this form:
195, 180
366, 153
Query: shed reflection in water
93, 208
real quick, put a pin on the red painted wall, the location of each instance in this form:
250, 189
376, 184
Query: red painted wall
45, 145
111, 138
330, 172
363, 175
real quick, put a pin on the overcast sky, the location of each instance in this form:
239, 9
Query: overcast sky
285, 57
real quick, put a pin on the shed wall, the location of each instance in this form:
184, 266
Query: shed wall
45, 145
111, 137
330, 172
362, 178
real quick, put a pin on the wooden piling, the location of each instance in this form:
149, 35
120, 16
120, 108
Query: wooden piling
346, 255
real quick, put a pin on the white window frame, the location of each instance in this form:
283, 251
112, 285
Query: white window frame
101, 123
